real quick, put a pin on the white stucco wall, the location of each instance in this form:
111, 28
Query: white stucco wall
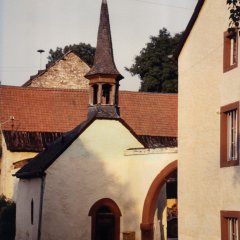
28, 190
205, 188
8, 183
98, 166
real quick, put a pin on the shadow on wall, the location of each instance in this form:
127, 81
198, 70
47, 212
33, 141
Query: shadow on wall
75, 182
236, 178
161, 206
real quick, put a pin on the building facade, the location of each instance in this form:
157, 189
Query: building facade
67, 72
209, 94
102, 164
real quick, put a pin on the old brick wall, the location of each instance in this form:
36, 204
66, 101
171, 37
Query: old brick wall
68, 73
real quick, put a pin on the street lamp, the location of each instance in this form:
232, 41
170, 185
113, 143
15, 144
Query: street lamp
40, 51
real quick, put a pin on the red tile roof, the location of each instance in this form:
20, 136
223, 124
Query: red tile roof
60, 110
151, 114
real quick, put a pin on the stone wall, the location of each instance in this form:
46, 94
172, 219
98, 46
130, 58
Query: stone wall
68, 72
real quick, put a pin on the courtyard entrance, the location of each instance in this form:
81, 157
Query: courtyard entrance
159, 217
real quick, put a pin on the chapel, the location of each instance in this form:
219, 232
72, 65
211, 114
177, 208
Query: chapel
96, 163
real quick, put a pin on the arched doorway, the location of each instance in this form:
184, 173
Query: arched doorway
105, 220
151, 198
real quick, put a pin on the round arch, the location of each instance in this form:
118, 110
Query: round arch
150, 201
109, 203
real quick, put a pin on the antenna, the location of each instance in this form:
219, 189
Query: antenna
40, 51
11, 118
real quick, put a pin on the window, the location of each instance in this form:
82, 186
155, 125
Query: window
32, 211
230, 52
106, 90
229, 140
105, 220
95, 94
230, 225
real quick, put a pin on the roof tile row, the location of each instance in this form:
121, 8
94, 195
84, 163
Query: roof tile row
60, 110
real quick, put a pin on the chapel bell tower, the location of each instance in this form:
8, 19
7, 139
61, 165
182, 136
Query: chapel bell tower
103, 76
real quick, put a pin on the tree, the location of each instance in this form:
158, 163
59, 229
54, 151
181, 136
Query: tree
234, 9
7, 219
85, 51
155, 66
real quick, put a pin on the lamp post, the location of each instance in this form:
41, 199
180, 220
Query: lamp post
40, 51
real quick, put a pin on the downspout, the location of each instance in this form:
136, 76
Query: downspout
41, 207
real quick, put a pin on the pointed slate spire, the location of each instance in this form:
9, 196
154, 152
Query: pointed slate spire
104, 60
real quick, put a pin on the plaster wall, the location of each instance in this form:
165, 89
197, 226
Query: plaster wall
98, 166
8, 183
205, 188
28, 191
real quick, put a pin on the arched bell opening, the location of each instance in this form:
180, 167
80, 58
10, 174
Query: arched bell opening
106, 94
95, 94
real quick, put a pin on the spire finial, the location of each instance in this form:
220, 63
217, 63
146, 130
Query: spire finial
103, 76
104, 60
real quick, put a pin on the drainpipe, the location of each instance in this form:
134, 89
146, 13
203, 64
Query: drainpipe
41, 207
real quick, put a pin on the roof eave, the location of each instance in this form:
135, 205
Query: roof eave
22, 173
188, 29
29, 175
90, 75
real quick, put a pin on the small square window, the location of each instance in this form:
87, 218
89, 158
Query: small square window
229, 137
230, 51
230, 225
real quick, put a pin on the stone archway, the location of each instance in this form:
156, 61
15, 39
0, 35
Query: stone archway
150, 201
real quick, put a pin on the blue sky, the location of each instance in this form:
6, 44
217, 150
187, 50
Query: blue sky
29, 25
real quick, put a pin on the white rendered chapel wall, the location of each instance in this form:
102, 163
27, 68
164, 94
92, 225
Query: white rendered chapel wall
98, 166
28, 202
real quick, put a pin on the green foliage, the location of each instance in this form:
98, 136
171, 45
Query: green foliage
234, 9
7, 219
154, 65
85, 51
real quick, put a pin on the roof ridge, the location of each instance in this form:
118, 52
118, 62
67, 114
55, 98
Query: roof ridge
149, 93
80, 90
43, 89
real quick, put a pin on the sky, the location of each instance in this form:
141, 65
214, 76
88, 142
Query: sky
29, 25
